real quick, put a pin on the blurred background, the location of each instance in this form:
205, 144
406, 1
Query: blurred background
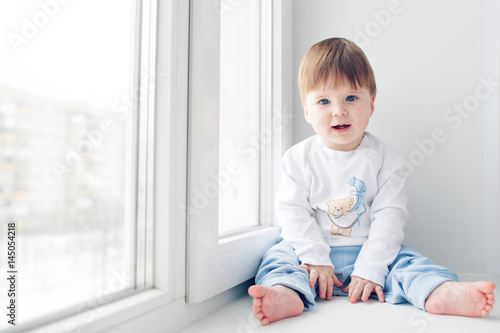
66, 84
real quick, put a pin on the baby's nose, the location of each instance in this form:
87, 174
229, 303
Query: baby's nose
338, 110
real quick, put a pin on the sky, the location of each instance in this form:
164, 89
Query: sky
68, 50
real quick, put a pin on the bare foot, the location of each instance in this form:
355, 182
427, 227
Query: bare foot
471, 299
275, 303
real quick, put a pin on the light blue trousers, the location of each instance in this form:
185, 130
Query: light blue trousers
412, 277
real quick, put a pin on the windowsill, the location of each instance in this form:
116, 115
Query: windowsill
101, 318
244, 239
149, 311
339, 315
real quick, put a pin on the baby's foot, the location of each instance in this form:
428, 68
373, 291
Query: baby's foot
275, 303
471, 299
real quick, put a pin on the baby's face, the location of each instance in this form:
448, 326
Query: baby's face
339, 114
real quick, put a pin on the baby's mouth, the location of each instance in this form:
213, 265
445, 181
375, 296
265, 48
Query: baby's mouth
339, 127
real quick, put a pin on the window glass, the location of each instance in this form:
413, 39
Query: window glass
68, 151
240, 115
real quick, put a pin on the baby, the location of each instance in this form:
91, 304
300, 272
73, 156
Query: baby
342, 207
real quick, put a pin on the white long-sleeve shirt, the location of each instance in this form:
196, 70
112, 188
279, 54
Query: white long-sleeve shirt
335, 198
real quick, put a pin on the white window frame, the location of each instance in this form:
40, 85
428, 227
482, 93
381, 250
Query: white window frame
164, 307
215, 264
492, 136
99, 314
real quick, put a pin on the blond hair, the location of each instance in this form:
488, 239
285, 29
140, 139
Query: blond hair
338, 60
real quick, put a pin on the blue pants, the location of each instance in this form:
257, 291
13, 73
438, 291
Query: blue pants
411, 277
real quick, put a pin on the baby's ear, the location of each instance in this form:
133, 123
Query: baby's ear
372, 104
306, 115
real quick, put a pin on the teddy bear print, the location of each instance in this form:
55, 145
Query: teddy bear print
336, 209
340, 207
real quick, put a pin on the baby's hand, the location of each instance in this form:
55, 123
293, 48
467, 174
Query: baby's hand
358, 286
325, 277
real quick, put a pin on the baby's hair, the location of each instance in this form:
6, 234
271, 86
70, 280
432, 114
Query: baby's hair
338, 60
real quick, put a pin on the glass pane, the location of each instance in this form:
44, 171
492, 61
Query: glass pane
67, 151
239, 115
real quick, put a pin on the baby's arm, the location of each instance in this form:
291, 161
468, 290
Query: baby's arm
299, 226
295, 214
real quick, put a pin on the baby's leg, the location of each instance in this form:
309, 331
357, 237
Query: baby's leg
434, 288
282, 289
413, 277
471, 299
275, 303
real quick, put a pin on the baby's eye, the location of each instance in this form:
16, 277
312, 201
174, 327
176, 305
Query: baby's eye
324, 101
351, 98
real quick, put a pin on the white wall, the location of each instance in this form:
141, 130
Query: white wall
428, 56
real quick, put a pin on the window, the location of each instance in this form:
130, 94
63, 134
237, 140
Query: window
236, 118
242, 51
75, 140
156, 80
